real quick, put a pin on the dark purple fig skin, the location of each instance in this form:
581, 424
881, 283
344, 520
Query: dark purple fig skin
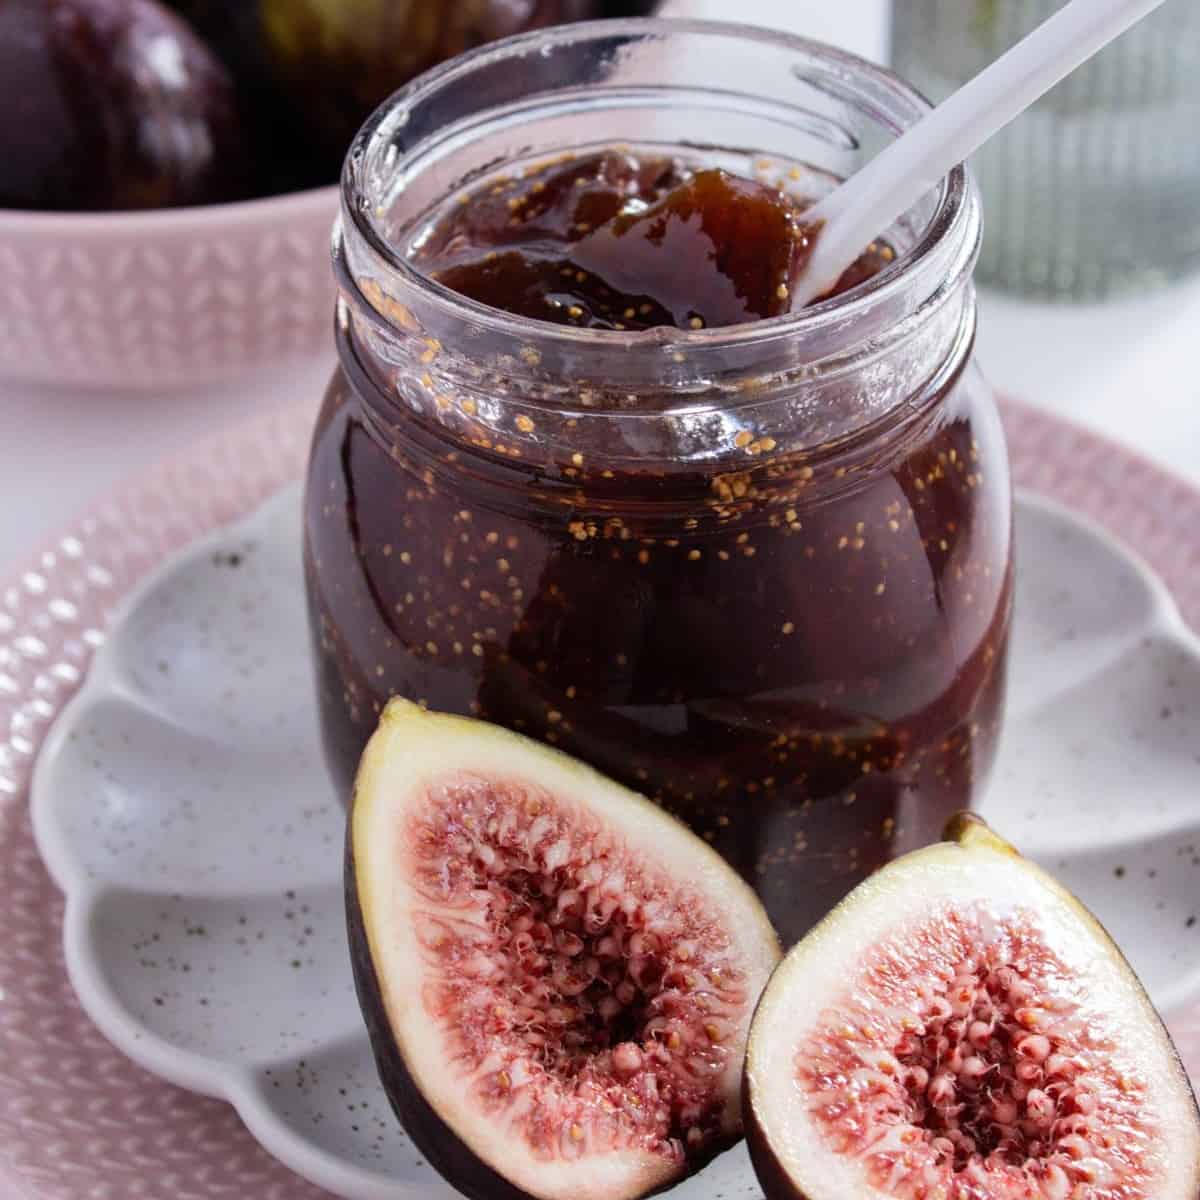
445, 1151
112, 105
308, 75
286, 157
775, 1182
628, 8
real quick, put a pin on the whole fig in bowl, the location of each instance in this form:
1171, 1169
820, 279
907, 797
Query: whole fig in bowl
112, 105
309, 72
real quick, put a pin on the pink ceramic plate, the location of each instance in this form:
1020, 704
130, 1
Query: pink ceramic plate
77, 1119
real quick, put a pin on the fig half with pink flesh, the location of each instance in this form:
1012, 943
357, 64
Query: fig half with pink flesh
961, 1028
557, 976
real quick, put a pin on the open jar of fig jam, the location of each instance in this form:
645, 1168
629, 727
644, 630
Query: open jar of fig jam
756, 565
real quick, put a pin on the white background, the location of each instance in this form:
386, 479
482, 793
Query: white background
1129, 370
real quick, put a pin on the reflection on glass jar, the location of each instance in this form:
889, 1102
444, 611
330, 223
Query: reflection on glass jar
761, 573
1095, 190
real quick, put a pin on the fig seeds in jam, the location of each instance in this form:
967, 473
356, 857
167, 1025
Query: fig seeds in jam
610, 241
797, 649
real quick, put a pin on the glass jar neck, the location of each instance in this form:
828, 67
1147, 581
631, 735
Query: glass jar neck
806, 389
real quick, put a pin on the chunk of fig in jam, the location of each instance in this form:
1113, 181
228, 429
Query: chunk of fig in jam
612, 242
718, 250
112, 104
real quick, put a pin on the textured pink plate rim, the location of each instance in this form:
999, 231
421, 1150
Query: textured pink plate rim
79, 1121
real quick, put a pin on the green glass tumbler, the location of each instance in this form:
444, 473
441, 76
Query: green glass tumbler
1096, 190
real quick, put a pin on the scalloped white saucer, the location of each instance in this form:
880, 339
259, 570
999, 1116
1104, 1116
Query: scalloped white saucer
181, 804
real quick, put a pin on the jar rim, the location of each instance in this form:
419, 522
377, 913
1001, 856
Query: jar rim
940, 258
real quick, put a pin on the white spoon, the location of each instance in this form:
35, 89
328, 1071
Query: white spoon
858, 210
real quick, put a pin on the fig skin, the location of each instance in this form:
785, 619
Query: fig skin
430, 1129
285, 158
774, 1180
445, 1151
974, 836
356, 52
112, 105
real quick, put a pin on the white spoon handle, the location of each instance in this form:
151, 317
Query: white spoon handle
871, 199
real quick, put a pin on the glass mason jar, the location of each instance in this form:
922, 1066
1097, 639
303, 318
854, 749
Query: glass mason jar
761, 573
1096, 190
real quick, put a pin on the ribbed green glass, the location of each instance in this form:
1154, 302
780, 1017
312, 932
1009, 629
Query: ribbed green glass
1096, 190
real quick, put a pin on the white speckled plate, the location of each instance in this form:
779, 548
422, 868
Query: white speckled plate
181, 804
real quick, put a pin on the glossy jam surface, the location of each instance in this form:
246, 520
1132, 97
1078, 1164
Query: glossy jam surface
613, 241
801, 654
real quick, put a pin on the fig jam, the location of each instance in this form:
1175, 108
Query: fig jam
794, 643
611, 241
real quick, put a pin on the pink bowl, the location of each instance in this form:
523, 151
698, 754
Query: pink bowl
165, 299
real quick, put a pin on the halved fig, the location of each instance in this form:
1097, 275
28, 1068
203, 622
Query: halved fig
961, 1028
557, 976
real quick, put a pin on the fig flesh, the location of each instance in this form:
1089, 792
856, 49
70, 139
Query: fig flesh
557, 976
961, 1028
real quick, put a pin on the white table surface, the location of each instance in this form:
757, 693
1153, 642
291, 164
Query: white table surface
1127, 370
